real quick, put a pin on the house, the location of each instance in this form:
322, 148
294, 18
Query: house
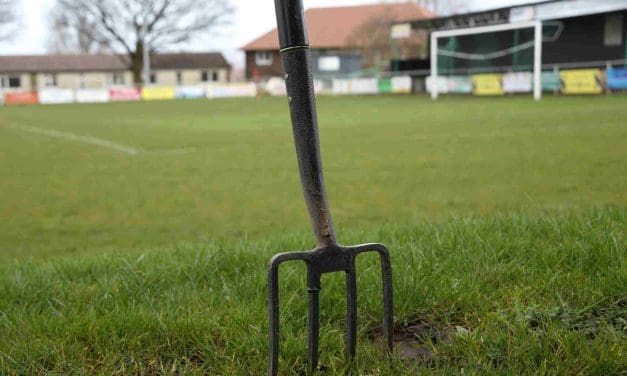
336, 47
32, 73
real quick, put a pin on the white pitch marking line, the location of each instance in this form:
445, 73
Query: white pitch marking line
74, 137
178, 151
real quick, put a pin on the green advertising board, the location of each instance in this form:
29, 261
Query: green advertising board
384, 86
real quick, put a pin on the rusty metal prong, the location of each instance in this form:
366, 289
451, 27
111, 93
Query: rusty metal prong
388, 292
351, 313
273, 305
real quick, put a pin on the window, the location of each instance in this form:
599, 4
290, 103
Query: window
613, 35
263, 58
117, 79
329, 63
209, 76
153, 78
50, 80
179, 78
10, 82
15, 82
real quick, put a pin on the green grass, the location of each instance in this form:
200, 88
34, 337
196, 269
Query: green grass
534, 295
506, 220
390, 159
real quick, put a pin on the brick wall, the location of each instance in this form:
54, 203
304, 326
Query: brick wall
253, 71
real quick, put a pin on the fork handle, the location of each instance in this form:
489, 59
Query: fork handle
296, 59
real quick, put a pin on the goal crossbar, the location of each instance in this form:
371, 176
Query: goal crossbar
537, 44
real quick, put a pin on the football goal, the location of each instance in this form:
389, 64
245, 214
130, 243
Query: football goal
474, 59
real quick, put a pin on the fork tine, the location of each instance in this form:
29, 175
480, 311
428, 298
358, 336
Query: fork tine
273, 313
388, 296
388, 292
351, 314
273, 306
313, 287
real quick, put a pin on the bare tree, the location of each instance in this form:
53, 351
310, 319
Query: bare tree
7, 18
378, 48
78, 34
130, 26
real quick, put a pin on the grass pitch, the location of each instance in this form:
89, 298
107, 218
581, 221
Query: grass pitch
226, 169
134, 237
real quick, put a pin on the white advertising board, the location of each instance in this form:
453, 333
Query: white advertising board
341, 86
442, 83
190, 92
232, 90
92, 96
520, 82
364, 86
56, 96
401, 84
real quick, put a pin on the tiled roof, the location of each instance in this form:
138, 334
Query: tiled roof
333, 27
99, 63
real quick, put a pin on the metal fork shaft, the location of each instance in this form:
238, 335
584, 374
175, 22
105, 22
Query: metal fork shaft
296, 60
302, 103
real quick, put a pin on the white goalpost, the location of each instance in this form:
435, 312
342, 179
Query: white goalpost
537, 46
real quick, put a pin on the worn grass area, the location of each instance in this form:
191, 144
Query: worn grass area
520, 294
226, 169
134, 237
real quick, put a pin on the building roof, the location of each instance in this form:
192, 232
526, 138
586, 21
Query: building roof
332, 27
106, 63
536, 10
189, 61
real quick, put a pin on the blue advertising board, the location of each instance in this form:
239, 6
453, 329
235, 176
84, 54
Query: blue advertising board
617, 78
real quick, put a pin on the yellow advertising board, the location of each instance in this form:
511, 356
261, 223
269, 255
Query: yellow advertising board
582, 81
487, 84
158, 93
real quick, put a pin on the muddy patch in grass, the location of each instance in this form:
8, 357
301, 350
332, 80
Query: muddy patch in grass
413, 341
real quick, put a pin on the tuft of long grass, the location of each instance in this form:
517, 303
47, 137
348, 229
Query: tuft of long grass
522, 294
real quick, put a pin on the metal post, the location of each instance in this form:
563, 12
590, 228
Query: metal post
434, 66
537, 62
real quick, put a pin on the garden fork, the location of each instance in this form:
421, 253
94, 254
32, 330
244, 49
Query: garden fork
328, 256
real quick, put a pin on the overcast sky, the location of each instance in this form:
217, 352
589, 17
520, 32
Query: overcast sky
252, 18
